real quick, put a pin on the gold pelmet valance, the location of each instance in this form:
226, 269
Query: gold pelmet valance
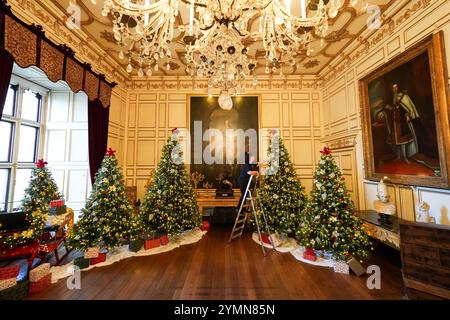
29, 46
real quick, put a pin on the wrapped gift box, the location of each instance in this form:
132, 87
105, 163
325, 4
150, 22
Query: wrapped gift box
152, 243
164, 240
205, 226
39, 272
341, 267
41, 284
81, 263
18, 292
9, 272
91, 253
309, 254
7, 283
136, 245
99, 259
57, 203
57, 211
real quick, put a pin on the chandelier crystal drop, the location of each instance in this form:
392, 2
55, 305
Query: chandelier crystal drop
218, 36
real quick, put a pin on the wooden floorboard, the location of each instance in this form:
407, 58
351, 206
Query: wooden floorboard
215, 269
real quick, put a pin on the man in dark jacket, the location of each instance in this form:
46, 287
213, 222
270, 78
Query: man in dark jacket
244, 177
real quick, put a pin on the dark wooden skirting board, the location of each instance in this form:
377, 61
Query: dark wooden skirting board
216, 269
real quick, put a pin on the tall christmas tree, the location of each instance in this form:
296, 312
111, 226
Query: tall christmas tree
330, 222
41, 190
107, 218
169, 204
281, 193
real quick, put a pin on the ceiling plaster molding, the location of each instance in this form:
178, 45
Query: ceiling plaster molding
341, 37
86, 49
369, 39
185, 83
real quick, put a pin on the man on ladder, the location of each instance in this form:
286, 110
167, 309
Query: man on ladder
246, 202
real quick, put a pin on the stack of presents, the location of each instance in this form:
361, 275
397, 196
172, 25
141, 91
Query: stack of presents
92, 256
96, 255
19, 277
15, 285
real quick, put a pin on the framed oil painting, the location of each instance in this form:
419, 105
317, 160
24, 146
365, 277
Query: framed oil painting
405, 118
205, 115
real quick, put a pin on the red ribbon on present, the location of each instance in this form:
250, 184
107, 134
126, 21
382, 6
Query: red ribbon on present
41, 163
175, 131
326, 151
110, 152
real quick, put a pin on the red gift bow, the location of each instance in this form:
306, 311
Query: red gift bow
41, 163
273, 132
110, 152
326, 151
175, 130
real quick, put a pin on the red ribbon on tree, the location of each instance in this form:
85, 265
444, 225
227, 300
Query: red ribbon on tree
273, 132
326, 151
175, 131
110, 152
41, 163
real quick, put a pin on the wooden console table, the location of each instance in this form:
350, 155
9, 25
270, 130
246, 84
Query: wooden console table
207, 198
389, 235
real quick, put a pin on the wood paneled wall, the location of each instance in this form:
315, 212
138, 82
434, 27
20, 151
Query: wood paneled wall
117, 122
152, 114
414, 21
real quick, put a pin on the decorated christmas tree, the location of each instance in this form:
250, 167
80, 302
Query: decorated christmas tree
41, 190
169, 205
107, 219
281, 193
330, 222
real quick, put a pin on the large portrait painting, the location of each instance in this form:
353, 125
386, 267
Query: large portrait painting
405, 118
220, 138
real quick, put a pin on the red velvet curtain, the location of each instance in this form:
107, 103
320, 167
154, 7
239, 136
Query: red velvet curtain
98, 121
6, 66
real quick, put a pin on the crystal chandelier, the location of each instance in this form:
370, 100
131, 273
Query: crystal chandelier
144, 30
221, 58
217, 35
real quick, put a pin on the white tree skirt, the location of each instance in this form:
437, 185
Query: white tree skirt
286, 244
121, 253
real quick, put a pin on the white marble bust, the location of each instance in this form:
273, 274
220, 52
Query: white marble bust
382, 205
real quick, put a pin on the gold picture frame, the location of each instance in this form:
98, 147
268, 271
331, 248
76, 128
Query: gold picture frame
393, 127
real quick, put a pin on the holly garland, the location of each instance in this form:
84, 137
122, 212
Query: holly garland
330, 222
41, 190
37, 221
107, 218
282, 195
169, 204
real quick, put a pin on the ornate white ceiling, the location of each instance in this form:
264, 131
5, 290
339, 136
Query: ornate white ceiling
346, 27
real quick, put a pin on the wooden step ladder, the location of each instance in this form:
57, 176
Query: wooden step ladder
246, 205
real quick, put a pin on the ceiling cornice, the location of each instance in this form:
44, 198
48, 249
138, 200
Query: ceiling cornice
395, 16
186, 83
